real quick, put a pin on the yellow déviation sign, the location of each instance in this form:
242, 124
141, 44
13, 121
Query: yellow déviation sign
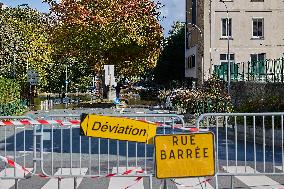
185, 155
117, 128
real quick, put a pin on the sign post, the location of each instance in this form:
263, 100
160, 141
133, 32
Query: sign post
33, 78
184, 155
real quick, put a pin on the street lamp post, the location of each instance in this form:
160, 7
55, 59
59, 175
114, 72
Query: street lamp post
66, 80
228, 40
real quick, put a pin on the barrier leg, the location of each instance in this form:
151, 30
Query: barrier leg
232, 182
150, 182
59, 183
165, 186
75, 183
16, 184
216, 182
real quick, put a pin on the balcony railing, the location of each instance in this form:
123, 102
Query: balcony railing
261, 71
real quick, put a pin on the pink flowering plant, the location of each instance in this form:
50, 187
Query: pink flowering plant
211, 97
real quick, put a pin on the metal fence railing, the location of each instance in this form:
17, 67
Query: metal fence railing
17, 142
43, 147
263, 71
246, 144
101, 156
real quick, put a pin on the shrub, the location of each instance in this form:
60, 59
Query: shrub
10, 103
9, 90
211, 97
267, 104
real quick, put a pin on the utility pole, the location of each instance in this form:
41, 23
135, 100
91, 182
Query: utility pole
66, 80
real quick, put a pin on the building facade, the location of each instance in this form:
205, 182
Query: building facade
250, 30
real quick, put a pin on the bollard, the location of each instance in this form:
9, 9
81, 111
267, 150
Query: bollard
41, 105
46, 104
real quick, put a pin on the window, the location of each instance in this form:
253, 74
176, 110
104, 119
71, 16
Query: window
191, 61
257, 27
224, 66
225, 27
187, 38
224, 59
194, 10
257, 63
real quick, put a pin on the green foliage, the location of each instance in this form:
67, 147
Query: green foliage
258, 105
212, 97
170, 64
83, 35
9, 90
124, 33
13, 108
24, 43
10, 103
266, 104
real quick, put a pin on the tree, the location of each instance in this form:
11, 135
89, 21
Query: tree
170, 65
24, 43
125, 33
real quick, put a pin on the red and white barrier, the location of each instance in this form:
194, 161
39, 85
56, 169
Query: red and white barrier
39, 122
77, 122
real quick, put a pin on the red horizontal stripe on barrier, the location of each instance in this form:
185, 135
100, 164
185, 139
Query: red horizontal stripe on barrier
44, 122
141, 171
25, 122
59, 121
110, 175
127, 172
75, 121
7, 122
11, 162
193, 129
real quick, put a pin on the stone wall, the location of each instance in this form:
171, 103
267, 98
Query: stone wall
244, 91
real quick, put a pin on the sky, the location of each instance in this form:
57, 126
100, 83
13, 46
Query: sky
173, 10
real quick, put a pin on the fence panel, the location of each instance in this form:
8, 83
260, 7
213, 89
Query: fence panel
17, 143
64, 147
246, 143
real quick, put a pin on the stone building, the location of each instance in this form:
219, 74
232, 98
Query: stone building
255, 31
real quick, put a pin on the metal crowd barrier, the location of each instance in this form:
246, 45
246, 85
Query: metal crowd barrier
17, 143
246, 144
63, 147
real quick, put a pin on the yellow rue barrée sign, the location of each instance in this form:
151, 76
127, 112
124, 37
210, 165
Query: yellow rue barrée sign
117, 128
185, 155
